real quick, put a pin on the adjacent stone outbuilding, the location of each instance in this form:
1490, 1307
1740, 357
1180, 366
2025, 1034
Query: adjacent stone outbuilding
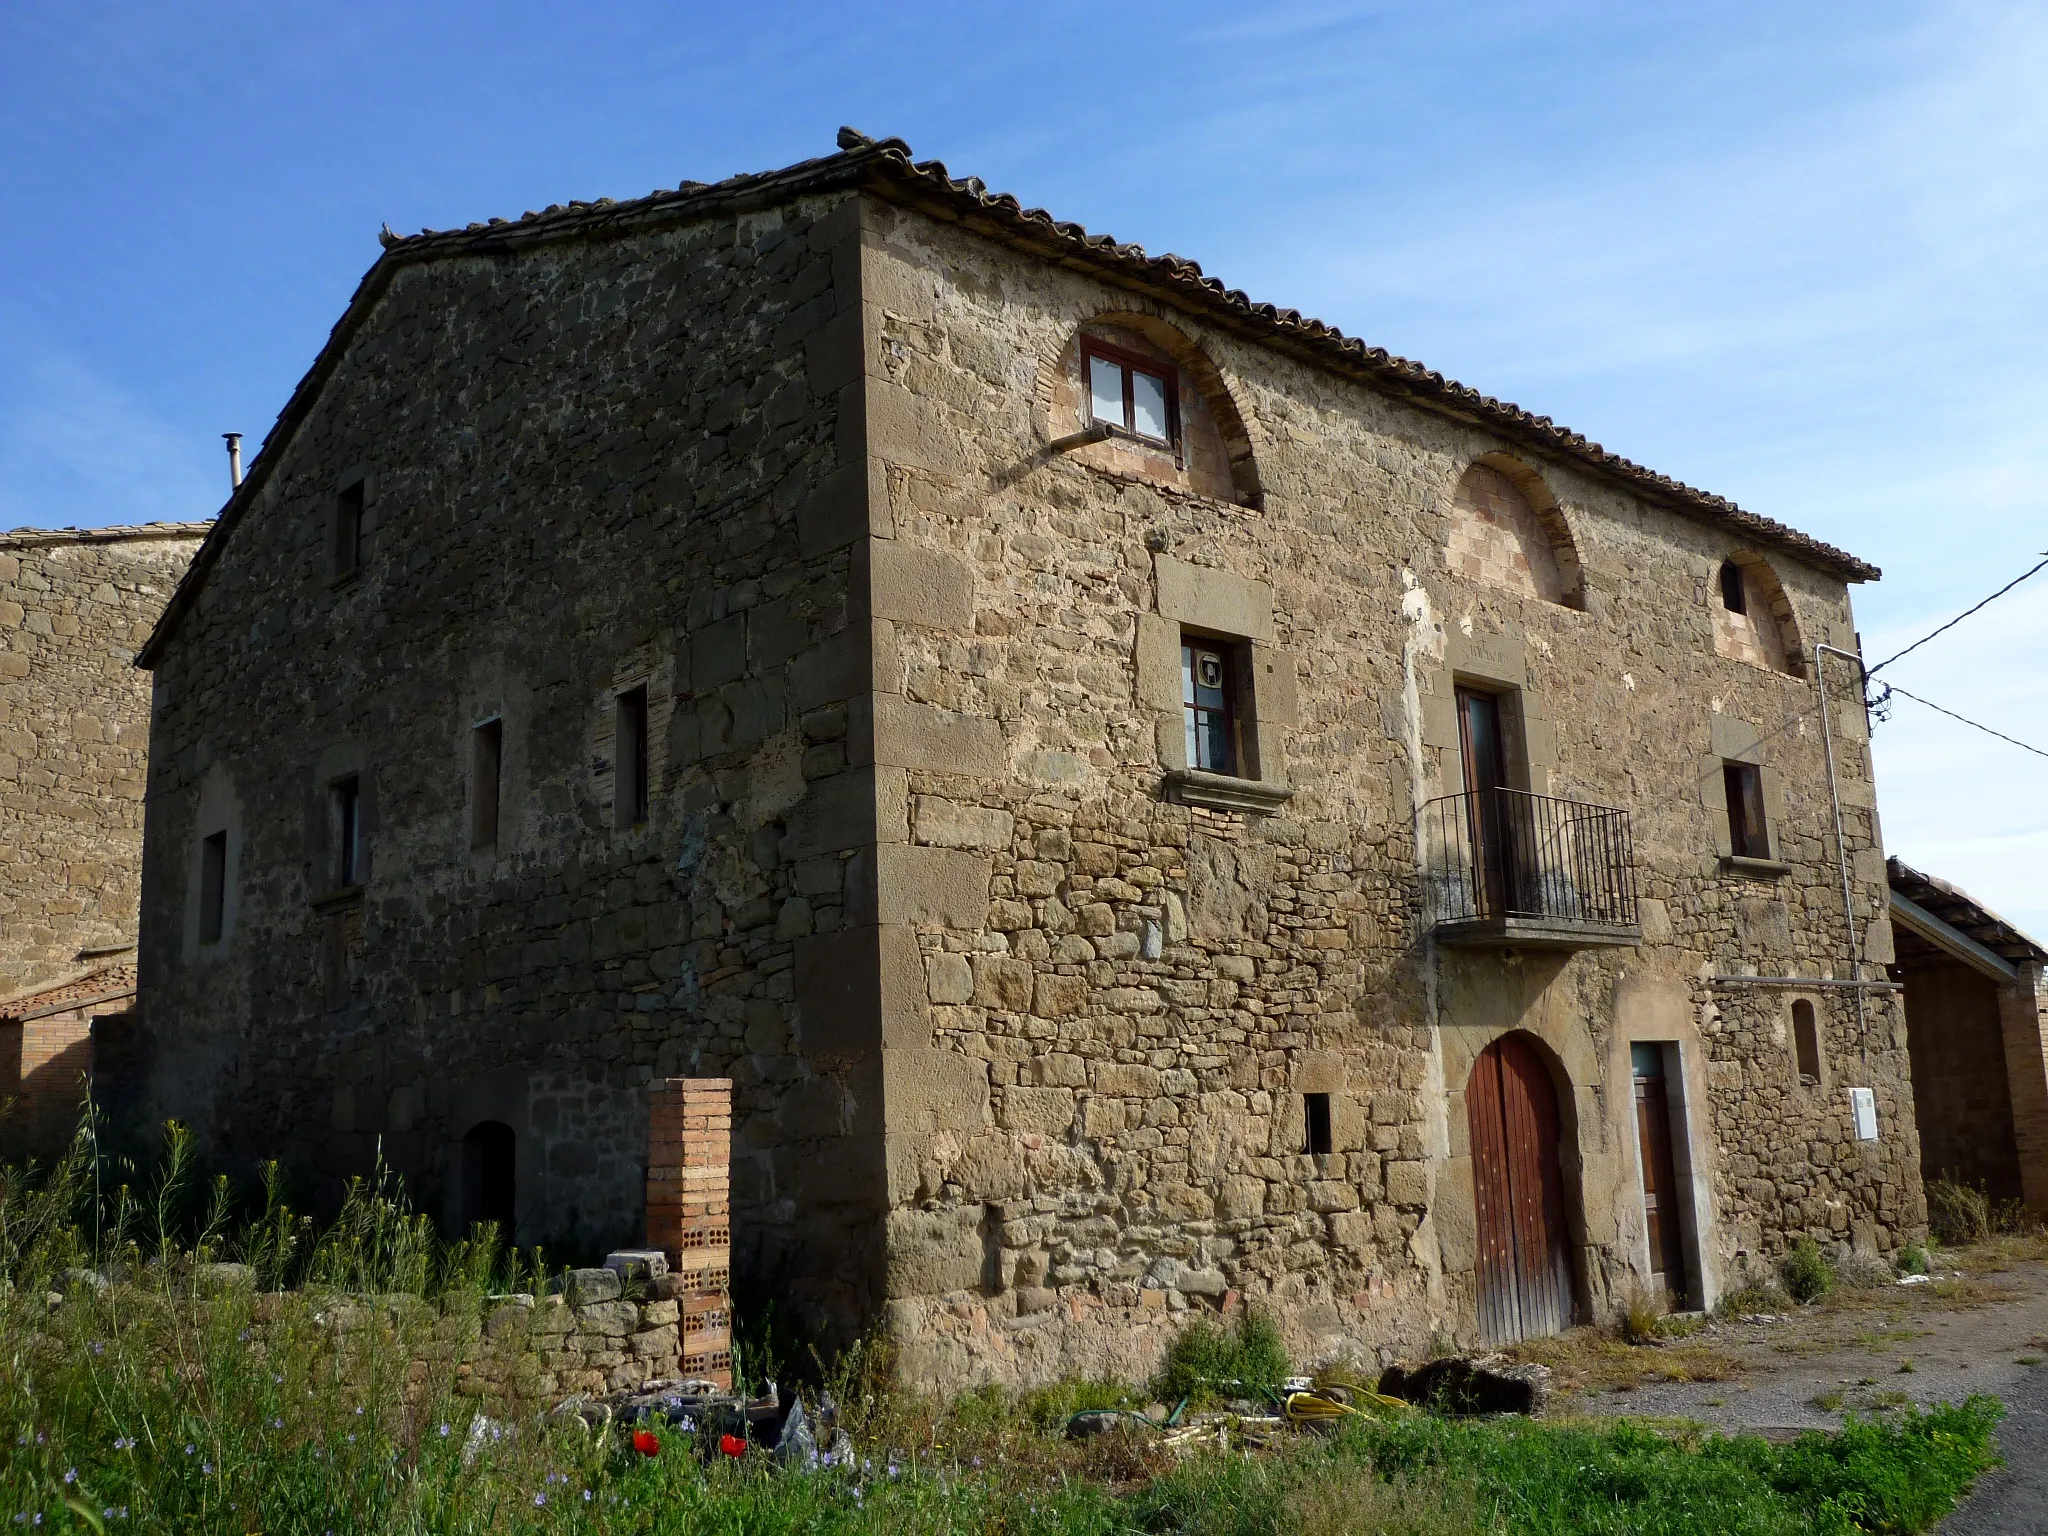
1977, 1020
75, 606
1153, 804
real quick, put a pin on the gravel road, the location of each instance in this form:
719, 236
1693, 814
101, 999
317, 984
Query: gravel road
1878, 1354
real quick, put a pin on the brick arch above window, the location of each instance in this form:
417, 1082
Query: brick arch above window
1765, 631
1507, 531
1209, 450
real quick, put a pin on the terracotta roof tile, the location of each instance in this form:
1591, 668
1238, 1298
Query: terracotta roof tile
886, 167
889, 159
106, 984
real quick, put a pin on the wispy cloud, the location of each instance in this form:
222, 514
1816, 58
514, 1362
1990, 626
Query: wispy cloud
77, 450
1957, 802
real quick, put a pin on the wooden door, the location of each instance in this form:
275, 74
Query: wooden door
1525, 1282
1660, 1179
1486, 775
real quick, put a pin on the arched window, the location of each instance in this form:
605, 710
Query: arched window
1507, 532
1168, 414
1753, 619
1806, 1040
489, 1158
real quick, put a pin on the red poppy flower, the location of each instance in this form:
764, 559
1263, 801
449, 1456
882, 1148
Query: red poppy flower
645, 1443
732, 1445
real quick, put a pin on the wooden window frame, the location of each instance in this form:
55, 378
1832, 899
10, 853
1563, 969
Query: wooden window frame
1740, 782
1234, 690
1131, 362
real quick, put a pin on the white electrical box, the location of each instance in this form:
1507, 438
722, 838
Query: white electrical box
1863, 1110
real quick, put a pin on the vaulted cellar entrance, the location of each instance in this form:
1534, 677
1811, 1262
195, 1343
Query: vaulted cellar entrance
1525, 1275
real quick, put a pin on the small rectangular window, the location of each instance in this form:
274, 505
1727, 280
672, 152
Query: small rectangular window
486, 756
1207, 695
348, 530
1806, 1040
1748, 837
1733, 598
629, 746
213, 886
1132, 393
345, 799
1316, 1116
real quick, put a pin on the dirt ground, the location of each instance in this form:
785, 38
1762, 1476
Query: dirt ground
1980, 1325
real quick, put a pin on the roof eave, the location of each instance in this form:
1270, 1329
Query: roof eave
885, 166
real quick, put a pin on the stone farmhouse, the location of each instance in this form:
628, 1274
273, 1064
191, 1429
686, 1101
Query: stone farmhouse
1154, 804
75, 606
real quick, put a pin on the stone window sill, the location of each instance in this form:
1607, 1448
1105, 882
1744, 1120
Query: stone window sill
1220, 792
1755, 869
340, 897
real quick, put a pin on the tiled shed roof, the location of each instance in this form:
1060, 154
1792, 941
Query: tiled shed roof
109, 983
1963, 912
886, 167
29, 538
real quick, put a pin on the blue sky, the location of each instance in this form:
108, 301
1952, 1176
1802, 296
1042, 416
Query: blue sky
1793, 253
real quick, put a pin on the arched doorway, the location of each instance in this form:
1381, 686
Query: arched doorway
1525, 1274
489, 1157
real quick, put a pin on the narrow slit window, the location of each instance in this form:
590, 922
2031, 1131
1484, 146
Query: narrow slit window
1733, 597
486, 764
213, 886
348, 530
629, 780
1207, 688
1806, 1040
1132, 394
1748, 836
1316, 1122
345, 799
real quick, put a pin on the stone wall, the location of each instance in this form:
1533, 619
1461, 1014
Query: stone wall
1150, 988
590, 1339
74, 734
587, 466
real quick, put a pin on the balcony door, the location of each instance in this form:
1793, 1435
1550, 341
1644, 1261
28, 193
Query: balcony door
1486, 777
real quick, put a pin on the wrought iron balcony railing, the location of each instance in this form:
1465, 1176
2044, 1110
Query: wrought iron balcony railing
1502, 864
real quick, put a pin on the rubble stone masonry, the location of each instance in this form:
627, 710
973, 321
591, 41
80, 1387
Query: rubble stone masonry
74, 734
1020, 1014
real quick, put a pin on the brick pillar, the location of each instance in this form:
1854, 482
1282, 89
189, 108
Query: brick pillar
689, 1213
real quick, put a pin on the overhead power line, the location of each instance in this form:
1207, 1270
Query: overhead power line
1951, 624
1892, 688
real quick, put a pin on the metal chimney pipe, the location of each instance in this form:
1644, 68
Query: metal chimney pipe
234, 440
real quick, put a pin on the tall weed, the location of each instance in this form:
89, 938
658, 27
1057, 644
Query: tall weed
1210, 1360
